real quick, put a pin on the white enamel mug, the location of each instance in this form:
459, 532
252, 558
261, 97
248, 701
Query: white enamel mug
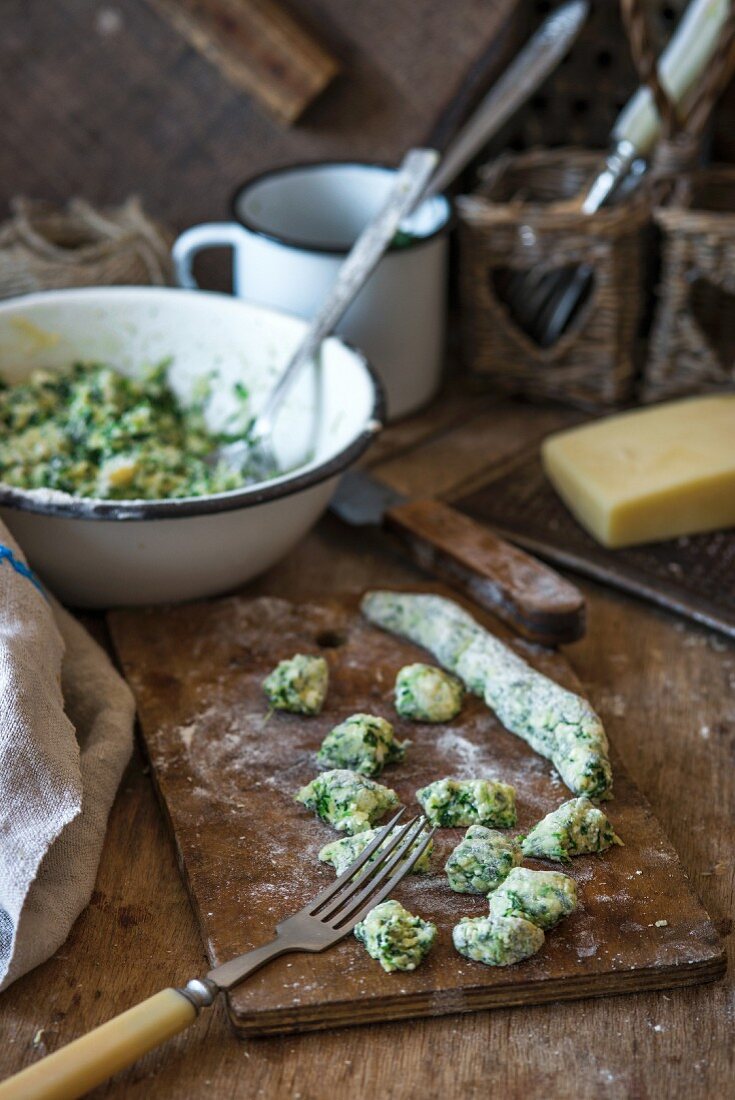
293, 228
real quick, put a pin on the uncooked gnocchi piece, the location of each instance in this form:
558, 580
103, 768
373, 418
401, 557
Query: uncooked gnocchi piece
395, 937
298, 684
425, 693
341, 853
363, 743
350, 802
497, 941
456, 802
576, 828
543, 897
482, 860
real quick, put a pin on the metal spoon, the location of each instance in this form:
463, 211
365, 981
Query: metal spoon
415, 181
255, 448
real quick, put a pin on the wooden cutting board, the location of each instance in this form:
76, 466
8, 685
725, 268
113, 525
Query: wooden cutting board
226, 774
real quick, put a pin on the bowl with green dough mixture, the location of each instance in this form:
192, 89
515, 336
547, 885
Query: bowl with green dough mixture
111, 402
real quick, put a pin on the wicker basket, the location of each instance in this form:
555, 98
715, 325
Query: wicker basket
692, 345
519, 221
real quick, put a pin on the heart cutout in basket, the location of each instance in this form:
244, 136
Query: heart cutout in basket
713, 310
530, 297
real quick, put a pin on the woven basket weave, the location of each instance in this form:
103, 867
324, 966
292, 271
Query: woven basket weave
519, 221
45, 247
692, 345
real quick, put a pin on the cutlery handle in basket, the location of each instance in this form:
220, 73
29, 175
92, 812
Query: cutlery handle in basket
689, 51
532, 598
90, 1060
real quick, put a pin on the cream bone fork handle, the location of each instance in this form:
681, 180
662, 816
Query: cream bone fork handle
87, 1062
528, 595
417, 180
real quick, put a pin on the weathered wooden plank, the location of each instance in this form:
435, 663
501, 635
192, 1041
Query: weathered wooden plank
259, 48
226, 773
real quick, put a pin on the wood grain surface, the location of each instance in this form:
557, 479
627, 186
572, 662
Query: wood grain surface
227, 771
258, 47
109, 99
664, 689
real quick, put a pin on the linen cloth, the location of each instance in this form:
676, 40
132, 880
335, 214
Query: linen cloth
66, 729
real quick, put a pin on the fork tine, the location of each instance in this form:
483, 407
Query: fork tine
365, 886
351, 888
361, 860
387, 889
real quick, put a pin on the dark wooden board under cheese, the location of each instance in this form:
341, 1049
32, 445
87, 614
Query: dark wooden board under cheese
226, 774
693, 576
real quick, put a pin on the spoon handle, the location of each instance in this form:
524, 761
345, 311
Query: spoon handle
538, 58
410, 181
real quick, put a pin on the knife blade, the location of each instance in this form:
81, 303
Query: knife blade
531, 597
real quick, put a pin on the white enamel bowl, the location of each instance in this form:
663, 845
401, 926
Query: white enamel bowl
118, 553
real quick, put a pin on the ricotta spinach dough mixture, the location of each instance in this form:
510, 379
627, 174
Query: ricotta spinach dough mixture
396, 938
482, 860
555, 722
350, 802
92, 432
341, 853
543, 897
362, 743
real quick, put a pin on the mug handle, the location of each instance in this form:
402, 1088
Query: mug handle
199, 237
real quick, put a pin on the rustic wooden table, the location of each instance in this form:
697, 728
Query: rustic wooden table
665, 690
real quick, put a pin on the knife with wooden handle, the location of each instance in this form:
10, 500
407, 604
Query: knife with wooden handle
528, 595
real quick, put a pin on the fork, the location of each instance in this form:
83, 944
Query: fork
329, 917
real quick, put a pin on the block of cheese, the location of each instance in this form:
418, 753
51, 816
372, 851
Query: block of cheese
651, 474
